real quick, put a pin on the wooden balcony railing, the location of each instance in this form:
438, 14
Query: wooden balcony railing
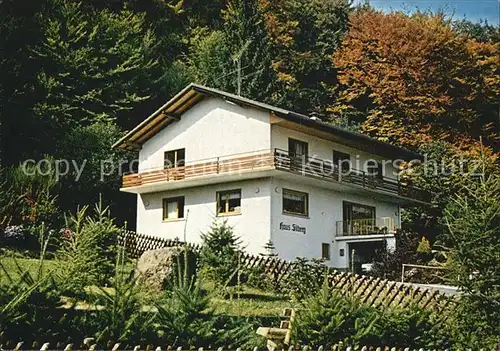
368, 226
274, 159
218, 165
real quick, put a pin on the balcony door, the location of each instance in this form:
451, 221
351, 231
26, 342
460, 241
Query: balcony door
298, 152
358, 219
174, 164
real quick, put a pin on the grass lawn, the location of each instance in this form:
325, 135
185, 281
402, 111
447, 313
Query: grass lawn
249, 302
15, 265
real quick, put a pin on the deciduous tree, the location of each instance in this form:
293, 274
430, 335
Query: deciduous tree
413, 79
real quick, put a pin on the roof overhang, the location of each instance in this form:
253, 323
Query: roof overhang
194, 93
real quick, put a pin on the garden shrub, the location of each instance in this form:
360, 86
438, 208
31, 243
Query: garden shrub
219, 254
87, 252
305, 278
185, 319
121, 317
329, 317
411, 247
257, 277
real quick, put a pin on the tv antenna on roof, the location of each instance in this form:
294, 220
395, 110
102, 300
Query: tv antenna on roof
237, 60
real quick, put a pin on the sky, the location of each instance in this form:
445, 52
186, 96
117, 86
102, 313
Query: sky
473, 10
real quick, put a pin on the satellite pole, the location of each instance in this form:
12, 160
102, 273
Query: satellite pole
237, 59
239, 75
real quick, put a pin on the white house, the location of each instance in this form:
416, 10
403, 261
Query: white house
313, 189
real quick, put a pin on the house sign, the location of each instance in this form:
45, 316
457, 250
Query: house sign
292, 227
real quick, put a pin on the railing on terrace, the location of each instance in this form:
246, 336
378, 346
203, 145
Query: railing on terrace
275, 159
326, 169
369, 226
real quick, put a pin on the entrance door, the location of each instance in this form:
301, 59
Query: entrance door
361, 253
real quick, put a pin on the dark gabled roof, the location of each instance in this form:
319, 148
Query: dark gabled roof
194, 93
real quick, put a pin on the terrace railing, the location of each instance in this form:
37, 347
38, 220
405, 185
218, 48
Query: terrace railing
369, 226
275, 159
328, 170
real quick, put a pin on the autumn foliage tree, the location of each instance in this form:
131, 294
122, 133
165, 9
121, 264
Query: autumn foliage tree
413, 79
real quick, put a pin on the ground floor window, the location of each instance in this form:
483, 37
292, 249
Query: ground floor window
325, 251
229, 202
173, 208
295, 202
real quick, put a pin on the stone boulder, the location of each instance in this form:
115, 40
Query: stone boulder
159, 268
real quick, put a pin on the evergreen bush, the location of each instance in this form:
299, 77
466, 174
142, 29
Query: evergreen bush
219, 254
88, 250
329, 317
305, 278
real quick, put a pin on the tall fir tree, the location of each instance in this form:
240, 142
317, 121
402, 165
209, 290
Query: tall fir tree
304, 34
237, 53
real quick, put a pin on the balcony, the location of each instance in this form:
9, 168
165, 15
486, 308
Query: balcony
276, 159
232, 164
326, 169
368, 226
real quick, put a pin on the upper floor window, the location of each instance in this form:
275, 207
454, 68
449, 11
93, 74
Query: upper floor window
173, 208
175, 158
342, 161
374, 169
297, 148
229, 202
295, 202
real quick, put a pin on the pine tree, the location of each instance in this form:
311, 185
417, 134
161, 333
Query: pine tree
269, 250
94, 65
219, 254
474, 226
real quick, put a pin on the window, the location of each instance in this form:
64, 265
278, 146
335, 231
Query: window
174, 158
229, 202
342, 161
374, 169
295, 202
325, 251
297, 148
173, 208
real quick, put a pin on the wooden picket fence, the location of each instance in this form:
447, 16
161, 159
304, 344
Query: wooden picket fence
90, 344
369, 290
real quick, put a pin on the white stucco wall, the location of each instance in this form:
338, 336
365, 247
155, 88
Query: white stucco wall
252, 225
216, 128
213, 128
325, 209
323, 149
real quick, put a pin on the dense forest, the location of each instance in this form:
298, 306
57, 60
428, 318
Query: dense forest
75, 75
